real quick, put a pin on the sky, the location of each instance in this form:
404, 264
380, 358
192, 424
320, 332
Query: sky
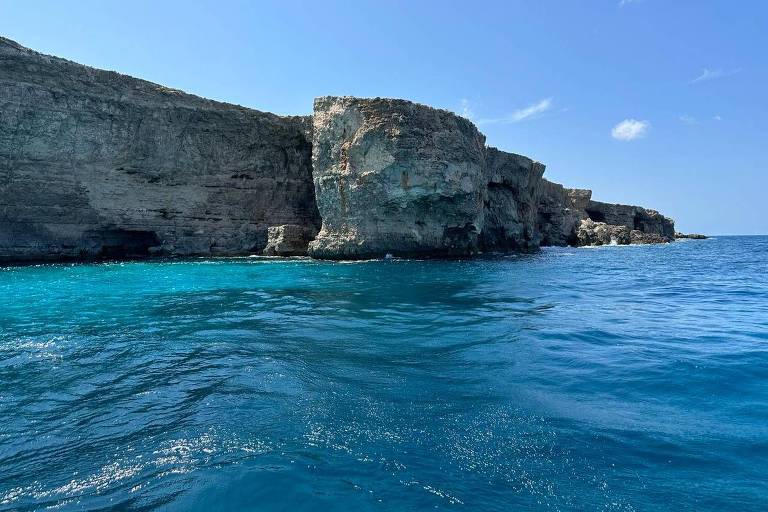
652, 102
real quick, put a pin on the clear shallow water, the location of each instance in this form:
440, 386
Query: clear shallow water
617, 378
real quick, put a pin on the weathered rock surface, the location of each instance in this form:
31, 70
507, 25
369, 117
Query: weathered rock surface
288, 240
640, 237
98, 164
692, 236
396, 177
633, 217
600, 233
571, 217
560, 212
514, 185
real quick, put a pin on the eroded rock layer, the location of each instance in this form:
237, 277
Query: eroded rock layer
288, 240
98, 164
94, 164
514, 187
633, 217
560, 213
395, 177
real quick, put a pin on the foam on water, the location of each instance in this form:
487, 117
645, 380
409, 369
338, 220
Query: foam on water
612, 379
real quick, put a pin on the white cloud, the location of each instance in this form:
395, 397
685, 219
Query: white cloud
530, 112
688, 119
630, 129
713, 74
466, 109
622, 3
717, 118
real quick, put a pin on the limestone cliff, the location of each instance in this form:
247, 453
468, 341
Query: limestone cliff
568, 216
514, 187
633, 217
559, 213
94, 163
396, 177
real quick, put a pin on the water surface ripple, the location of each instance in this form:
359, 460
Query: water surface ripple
616, 378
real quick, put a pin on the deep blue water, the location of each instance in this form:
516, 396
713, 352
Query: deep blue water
616, 378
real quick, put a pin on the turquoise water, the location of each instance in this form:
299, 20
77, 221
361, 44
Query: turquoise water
616, 378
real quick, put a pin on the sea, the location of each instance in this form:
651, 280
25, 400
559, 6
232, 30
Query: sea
620, 378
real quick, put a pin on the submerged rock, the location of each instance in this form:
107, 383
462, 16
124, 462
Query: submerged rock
395, 177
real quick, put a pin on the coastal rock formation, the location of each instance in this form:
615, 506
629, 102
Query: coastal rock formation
692, 236
560, 211
633, 217
514, 186
640, 237
288, 240
600, 233
395, 177
98, 164
95, 164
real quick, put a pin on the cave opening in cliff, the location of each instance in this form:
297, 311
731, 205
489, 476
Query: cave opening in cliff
596, 216
124, 244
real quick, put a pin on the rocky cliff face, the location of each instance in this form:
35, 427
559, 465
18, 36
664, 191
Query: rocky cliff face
396, 177
94, 163
514, 187
632, 217
560, 211
600, 233
98, 164
568, 216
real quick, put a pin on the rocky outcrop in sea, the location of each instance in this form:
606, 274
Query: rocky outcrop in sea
691, 236
95, 164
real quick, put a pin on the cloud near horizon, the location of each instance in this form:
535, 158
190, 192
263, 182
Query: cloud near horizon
630, 129
530, 112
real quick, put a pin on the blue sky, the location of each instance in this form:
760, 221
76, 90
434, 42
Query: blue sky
652, 102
